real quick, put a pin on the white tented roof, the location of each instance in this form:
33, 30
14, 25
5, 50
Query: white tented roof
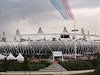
11, 57
20, 57
2, 57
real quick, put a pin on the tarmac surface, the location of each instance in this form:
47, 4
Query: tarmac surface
43, 73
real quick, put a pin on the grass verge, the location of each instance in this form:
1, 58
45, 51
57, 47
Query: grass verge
84, 74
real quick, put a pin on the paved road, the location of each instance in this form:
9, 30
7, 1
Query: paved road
37, 72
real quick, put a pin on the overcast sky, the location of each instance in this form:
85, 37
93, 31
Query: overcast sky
28, 15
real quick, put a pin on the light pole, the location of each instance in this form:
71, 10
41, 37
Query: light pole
61, 69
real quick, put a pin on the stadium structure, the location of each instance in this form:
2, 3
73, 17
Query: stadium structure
41, 42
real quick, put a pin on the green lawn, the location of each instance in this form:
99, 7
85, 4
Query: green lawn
27, 74
84, 74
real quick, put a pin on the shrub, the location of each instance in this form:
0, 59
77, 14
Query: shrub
36, 66
1, 68
5, 64
46, 63
76, 65
25, 64
14, 66
97, 71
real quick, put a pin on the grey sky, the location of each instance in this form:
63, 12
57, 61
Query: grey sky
28, 15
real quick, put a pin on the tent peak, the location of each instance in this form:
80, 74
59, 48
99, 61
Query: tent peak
40, 30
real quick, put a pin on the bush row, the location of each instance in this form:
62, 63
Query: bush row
15, 66
76, 65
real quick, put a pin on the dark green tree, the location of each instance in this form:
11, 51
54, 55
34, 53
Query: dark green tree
97, 71
5, 65
25, 64
98, 59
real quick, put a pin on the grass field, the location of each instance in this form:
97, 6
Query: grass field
84, 74
51, 74
26, 74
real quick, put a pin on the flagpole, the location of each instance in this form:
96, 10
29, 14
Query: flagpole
75, 30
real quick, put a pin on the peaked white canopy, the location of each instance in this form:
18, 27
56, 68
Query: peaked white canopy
2, 57
11, 57
20, 57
